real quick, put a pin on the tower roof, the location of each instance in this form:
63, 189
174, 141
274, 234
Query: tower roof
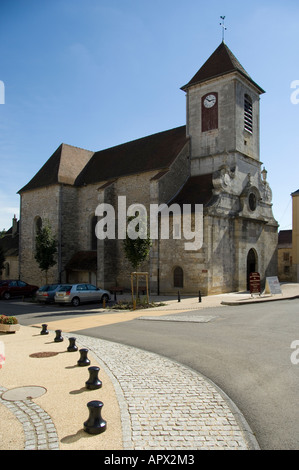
221, 62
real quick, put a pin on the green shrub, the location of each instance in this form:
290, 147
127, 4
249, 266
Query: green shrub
5, 320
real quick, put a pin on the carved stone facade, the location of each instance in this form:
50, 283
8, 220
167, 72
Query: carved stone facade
213, 161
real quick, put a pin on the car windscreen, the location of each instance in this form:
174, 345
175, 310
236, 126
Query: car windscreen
53, 287
44, 288
64, 288
48, 287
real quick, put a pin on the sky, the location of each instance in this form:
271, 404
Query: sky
98, 73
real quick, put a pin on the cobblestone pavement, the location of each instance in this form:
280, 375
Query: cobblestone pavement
166, 406
39, 430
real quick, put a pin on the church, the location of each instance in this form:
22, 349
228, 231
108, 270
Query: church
212, 161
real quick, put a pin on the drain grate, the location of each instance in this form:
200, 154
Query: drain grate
23, 393
44, 354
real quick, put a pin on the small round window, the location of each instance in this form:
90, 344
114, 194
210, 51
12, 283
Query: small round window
252, 201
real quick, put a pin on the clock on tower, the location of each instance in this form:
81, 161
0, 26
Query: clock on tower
209, 112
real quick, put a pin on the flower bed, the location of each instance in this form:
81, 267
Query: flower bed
126, 305
9, 324
5, 320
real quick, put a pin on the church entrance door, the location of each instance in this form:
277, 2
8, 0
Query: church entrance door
252, 265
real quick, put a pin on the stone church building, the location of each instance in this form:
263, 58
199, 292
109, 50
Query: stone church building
213, 160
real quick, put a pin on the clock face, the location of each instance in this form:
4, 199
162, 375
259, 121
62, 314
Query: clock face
209, 101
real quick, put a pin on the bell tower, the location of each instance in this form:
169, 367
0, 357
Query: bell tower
222, 113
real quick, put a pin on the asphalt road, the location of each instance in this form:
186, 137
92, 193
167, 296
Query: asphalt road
245, 350
29, 313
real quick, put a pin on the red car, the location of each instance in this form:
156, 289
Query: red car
14, 288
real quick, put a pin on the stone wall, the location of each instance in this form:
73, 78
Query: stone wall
43, 203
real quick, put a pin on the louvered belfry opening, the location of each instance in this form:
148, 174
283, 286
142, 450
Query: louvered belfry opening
248, 117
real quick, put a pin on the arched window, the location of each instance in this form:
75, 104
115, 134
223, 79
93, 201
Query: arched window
93, 237
248, 115
37, 225
178, 277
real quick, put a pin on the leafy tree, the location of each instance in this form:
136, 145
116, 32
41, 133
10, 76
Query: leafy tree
137, 250
45, 248
137, 247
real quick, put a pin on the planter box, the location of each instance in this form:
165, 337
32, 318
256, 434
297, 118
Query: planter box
5, 328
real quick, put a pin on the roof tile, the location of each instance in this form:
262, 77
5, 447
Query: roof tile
221, 62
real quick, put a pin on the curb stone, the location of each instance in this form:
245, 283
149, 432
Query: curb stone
39, 429
167, 406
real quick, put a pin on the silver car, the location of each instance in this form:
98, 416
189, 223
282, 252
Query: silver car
76, 294
47, 292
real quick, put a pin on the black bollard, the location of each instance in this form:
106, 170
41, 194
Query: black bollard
72, 346
199, 296
58, 338
83, 361
44, 330
115, 296
179, 296
95, 423
93, 382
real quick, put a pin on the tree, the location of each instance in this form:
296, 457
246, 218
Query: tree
45, 248
137, 249
137, 244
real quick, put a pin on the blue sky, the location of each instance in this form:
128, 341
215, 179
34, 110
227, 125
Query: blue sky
95, 73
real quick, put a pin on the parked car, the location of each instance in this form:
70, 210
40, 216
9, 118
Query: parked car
15, 288
47, 292
76, 294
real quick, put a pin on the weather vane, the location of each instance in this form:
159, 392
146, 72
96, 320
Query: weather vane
223, 27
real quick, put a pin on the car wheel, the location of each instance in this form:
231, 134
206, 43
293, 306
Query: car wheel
6, 296
76, 302
105, 297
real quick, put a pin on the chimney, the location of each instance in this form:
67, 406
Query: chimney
14, 226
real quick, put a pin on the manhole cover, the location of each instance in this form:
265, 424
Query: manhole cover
44, 354
23, 393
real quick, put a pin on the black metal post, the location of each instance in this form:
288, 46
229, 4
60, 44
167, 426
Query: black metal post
44, 330
95, 423
58, 338
93, 382
72, 346
83, 361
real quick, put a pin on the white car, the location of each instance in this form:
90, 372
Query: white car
76, 294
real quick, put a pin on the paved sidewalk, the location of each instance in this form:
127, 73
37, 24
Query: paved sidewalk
150, 402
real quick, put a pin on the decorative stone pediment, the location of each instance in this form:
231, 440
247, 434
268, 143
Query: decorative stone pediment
222, 179
250, 200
